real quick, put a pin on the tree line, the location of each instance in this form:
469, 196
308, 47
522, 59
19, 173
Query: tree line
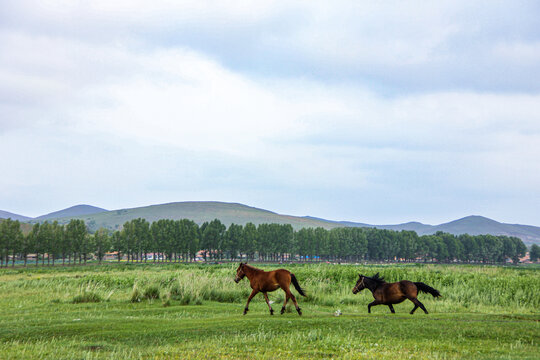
184, 240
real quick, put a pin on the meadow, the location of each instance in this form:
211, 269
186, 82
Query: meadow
177, 311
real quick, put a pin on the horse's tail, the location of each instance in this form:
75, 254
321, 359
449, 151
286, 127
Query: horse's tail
427, 289
296, 285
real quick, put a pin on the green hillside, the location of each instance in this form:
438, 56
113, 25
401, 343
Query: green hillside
198, 211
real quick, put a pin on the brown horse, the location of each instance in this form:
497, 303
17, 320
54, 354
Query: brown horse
265, 281
393, 293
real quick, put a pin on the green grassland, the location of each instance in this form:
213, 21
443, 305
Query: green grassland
112, 312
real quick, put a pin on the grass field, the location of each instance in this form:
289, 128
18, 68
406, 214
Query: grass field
111, 312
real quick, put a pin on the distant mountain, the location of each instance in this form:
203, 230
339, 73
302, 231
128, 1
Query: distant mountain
472, 225
7, 215
228, 213
74, 211
419, 228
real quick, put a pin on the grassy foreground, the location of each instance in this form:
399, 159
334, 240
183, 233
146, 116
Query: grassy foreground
111, 312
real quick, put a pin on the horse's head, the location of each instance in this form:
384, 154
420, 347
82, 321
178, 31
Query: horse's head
240, 273
360, 285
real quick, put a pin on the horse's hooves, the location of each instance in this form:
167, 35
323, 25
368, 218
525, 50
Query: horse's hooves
271, 312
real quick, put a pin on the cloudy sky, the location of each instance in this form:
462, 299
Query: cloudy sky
370, 111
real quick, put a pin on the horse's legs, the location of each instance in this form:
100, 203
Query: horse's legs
290, 295
417, 304
422, 306
253, 293
391, 309
285, 303
268, 302
376, 302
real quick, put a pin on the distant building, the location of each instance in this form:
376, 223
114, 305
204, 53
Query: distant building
111, 256
526, 259
158, 257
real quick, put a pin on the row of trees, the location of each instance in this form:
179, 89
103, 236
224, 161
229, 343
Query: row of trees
182, 240
50, 241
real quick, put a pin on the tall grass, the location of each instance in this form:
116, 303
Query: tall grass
151, 292
87, 297
463, 288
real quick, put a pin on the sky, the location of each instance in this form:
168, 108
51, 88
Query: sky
378, 112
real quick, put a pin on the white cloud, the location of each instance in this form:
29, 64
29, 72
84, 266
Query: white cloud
100, 121
521, 53
393, 45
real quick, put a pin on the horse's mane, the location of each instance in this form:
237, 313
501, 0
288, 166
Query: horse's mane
378, 279
252, 267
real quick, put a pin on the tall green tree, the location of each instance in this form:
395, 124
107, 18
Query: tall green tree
232, 240
302, 241
10, 240
101, 243
143, 238
521, 249
76, 234
191, 232
57, 241
285, 239
44, 239
65, 245
534, 253
470, 247
128, 234
33, 240
27, 246
118, 244
408, 242
249, 241
212, 238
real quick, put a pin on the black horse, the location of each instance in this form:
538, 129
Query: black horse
393, 293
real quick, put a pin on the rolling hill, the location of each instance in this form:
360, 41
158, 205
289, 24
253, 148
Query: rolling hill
198, 211
74, 211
